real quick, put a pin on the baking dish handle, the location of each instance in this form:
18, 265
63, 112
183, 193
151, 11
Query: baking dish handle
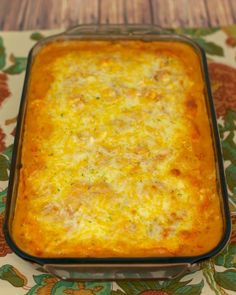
120, 29
98, 272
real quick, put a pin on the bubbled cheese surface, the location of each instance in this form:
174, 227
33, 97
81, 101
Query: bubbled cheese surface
117, 157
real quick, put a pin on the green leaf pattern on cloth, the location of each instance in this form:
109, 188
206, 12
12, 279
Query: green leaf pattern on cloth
226, 279
36, 36
18, 65
198, 35
196, 32
210, 47
217, 276
12, 275
4, 168
227, 258
47, 284
3, 195
2, 54
176, 286
227, 132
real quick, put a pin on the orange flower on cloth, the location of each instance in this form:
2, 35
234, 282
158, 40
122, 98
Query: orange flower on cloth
223, 81
4, 91
4, 249
2, 143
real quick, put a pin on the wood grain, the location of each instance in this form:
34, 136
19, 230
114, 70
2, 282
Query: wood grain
219, 14
42, 14
111, 11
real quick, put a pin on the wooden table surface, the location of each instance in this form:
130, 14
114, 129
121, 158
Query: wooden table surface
48, 14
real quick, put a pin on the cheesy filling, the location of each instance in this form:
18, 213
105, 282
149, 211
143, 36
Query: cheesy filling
117, 157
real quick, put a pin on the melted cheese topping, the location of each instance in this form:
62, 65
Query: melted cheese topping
117, 157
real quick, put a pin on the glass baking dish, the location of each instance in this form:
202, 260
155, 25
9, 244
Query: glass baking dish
117, 268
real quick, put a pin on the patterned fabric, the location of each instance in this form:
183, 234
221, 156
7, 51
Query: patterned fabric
218, 275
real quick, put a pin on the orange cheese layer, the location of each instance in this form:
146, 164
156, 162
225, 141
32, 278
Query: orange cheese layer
117, 157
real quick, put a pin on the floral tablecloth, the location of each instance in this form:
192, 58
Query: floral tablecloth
218, 275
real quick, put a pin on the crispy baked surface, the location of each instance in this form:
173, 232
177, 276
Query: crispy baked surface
117, 156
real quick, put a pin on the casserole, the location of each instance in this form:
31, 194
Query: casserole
120, 123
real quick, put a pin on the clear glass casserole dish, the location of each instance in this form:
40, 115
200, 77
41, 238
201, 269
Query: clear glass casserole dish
102, 267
